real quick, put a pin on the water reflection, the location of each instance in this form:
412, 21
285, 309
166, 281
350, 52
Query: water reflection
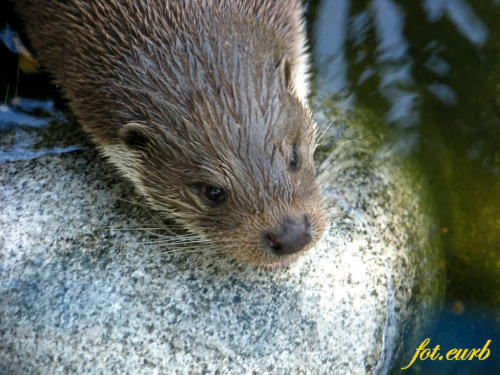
20, 124
444, 93
29, 128
7, 38
329, 53
10, 118
462, 15
346, 56
436, 63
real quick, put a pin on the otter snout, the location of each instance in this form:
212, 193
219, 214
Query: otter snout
293, 236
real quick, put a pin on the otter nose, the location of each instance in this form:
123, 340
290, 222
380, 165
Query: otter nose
292, 237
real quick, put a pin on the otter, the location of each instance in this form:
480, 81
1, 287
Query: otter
202, 105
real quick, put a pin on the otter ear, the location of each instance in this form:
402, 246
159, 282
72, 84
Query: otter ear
136, 136
284, 68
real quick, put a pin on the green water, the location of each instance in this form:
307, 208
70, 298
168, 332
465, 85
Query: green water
431, 71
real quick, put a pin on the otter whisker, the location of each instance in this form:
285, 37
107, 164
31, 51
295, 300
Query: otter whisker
176, 243
181, 252
320, 137
159, 221
329, 165
171, 231
139, 229
151, 213
328, 173
341, 149
133, 202
163, 244
187, 251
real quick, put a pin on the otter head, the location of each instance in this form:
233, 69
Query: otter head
234, 163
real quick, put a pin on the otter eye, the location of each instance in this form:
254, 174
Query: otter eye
294, 162
213, 194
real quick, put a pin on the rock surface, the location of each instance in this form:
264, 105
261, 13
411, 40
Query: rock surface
83, 289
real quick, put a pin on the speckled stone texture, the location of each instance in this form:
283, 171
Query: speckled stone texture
83, 291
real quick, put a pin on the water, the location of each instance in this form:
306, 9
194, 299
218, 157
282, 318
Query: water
30, 123
430, 70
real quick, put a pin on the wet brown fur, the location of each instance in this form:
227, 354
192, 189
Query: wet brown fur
177, 92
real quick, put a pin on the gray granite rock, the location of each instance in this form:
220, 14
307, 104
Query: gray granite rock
83, 289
